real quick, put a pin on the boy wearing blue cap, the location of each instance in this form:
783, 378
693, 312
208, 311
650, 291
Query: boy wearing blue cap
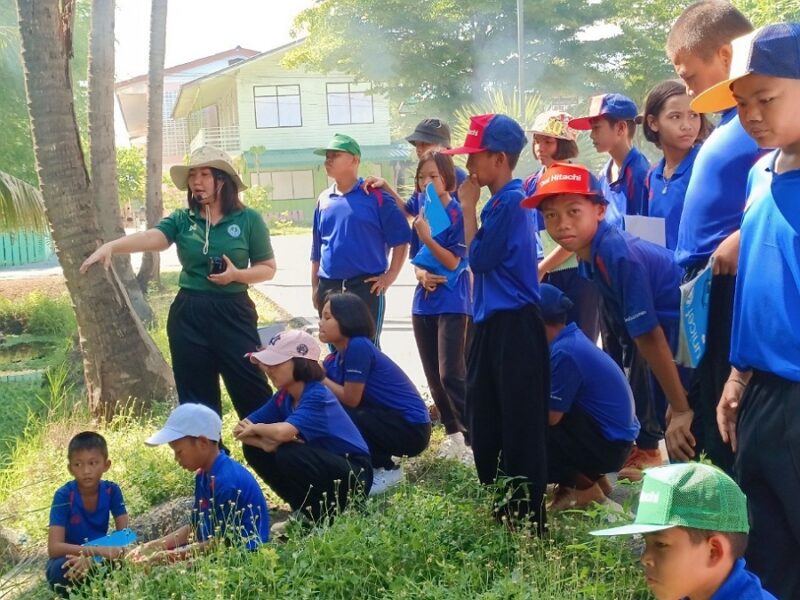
508, 384
694, 521
763, 388
592, 420
228, 504
611, 120
638, 282
699, 47
353, 231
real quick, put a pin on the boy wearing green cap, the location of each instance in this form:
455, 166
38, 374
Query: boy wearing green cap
353, 231
694, 521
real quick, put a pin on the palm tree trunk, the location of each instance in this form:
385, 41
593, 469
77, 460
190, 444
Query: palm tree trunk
102, 150
155, 132
120, 360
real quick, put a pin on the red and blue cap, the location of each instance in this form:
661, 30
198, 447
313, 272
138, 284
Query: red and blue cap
495, 133
773, 51
565, 178
614, 106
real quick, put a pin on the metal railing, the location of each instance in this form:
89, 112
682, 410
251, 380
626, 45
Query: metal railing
224, 138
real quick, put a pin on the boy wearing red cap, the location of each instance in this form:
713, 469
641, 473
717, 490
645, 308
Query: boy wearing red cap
759, 411
507, 398
637, 280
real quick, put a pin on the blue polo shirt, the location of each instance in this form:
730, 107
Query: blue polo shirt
583, 375
529, 185
226, 497
627, 191
715, 195
665, 196
640, 281
81, 525
742, 584
503, 255
413, 204
352, 233
318, 416
386, 385
766, 310
444, 299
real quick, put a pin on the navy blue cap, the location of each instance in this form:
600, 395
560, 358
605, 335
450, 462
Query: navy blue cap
615, 106
554, 303
773, 51
495, 133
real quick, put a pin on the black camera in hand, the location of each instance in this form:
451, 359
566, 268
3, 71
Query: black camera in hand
216, 265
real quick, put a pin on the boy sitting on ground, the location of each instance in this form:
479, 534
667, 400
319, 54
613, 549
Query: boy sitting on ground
694, 521
228, 504
80, 510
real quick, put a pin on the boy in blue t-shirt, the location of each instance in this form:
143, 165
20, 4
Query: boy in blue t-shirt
508, 379
353, 233
611, 120
228, 504
763, 388
699, 47
592, 420
639, 285
80, 510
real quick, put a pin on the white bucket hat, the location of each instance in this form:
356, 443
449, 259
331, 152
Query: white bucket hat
205, 156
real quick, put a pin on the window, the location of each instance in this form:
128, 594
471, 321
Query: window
349, 103
277, 106
286, 185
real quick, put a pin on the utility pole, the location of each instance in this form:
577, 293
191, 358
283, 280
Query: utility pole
520, 44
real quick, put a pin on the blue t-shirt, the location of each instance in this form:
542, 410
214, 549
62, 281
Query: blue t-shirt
444, 299
228, 496
715, 195
352, 233
503, 255
386, 384
585, 376
80, 525
665, 197
318, 416
766, 310
741, 584
626, 193
640, 281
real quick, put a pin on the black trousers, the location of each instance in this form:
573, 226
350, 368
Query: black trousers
441, 340
208, 337
577, 446
388, 434
768, 470
708, 379
356, 285
311, 479
508, 392
585, 311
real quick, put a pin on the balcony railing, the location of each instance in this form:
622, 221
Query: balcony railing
224, 138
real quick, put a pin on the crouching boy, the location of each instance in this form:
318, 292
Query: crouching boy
228, 504
694, 521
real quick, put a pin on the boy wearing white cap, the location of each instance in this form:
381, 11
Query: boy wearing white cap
228, 504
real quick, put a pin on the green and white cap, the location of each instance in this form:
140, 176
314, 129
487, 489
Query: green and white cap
687, 495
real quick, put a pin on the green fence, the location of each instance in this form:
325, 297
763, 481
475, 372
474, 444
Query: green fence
24, 248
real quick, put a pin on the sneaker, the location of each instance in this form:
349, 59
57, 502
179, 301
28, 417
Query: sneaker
383, 479
569, 497
453, 446
637, 461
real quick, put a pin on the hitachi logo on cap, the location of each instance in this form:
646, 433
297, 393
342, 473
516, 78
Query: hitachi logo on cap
563, 177
473, 132
649, 497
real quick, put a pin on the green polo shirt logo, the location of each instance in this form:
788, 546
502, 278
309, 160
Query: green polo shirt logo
234, 231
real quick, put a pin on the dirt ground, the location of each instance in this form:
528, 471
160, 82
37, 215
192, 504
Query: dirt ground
16, 289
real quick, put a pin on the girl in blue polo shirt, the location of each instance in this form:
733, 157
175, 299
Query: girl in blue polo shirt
676, 130
301, 442
378, 395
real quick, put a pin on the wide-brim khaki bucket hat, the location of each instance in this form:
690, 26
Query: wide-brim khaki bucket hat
205, 156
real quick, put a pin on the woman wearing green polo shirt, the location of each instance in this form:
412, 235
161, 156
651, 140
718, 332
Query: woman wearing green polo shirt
223, 247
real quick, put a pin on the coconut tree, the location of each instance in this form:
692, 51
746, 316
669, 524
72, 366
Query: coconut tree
120, 360
21, 206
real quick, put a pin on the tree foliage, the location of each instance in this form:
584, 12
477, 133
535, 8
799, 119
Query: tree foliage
131, 175
21, 206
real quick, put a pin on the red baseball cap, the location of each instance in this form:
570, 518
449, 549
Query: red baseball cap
565, 178
495, 133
